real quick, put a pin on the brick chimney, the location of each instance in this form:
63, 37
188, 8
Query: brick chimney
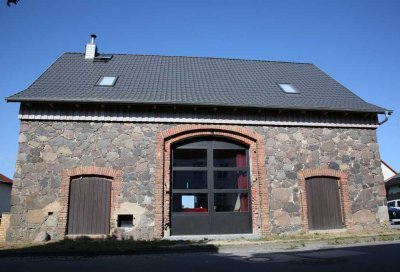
91, 48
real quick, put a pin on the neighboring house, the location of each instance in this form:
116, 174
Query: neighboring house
387, 171
393, 187
5, 194
392, 182
147, 147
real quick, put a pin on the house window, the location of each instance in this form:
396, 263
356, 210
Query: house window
288, 88
107, 81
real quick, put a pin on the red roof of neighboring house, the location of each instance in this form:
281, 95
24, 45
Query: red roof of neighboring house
4, 179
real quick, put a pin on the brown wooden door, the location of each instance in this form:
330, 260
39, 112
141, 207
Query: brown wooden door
323, 203
89, 206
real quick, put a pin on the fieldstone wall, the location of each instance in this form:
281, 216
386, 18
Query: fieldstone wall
46, 148
353, 151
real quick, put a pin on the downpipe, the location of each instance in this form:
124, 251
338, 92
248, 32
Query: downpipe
387, 114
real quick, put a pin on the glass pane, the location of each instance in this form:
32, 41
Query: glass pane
230, 158
287, 88
230, 179
195, 203
190, 180
107, 81
231, 202
190, 157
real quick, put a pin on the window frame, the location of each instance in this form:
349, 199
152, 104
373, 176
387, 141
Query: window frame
210, 145
108, 85
296, 91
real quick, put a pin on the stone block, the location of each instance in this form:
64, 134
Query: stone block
364, 217
282, 218
282, 137
382, 214
35, 217
22, 138
328, 146
43, 236
282, 194
48, 157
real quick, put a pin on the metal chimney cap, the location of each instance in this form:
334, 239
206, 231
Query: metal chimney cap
93, 37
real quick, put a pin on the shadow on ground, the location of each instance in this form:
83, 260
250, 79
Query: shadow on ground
86, 246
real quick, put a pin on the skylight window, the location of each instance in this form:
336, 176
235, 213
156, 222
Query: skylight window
288, 88
107, 81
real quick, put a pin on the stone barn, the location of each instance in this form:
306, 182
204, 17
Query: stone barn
151, 147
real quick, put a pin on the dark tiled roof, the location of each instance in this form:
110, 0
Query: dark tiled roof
148, 79
5, 179
395, 180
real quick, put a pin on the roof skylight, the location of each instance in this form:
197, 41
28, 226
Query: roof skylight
107, 81
288, 88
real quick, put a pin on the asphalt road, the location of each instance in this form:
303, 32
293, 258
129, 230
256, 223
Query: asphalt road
363, 258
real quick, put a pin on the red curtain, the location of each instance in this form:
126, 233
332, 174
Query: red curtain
241, 160
244, 202
242, 181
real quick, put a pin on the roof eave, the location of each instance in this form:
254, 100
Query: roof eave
277, 107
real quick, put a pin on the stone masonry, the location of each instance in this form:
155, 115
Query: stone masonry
47, 148
352, 151
4, 223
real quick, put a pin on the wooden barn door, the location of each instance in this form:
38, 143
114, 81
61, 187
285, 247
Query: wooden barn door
89, 206
323, 203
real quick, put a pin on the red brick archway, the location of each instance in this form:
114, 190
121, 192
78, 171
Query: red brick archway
68, 174
256, 144
344, 193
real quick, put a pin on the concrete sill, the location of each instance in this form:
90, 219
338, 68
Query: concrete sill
87, 236
248, 236
343, 230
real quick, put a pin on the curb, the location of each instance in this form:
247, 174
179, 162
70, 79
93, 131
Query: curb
216, 246
166, 250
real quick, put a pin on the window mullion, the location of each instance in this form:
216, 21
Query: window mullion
190, 191
230, 168
188, 168
210, 177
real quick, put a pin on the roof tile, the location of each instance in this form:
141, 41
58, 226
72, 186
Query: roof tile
154, 79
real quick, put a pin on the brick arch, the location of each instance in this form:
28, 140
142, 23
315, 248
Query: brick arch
67, 174
344, 192
250, 138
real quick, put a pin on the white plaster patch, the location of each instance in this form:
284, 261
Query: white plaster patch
53, 207
132, 208
39, 216
382, 214
22, 138
35, 216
